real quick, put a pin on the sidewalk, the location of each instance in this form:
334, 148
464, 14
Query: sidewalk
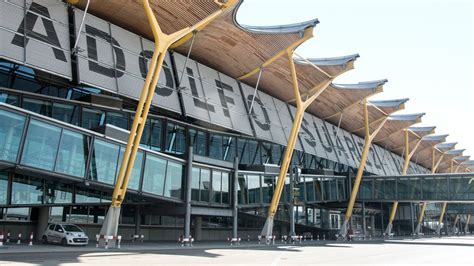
150, 246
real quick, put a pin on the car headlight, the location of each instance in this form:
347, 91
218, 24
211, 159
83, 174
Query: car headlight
68, 234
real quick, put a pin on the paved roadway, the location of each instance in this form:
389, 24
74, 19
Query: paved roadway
445, 251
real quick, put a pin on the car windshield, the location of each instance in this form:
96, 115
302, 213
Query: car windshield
71, 228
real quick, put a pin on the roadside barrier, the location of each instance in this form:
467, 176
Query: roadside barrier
18, 242
186, 240
31, 239
1, 239
136, 238
107, 239
8, 237
233, 241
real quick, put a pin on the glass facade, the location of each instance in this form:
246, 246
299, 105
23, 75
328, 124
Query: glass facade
154, 175
104, 161
11, 129
72, 154
3, 188
41, 145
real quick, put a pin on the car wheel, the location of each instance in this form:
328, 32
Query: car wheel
45, 240
64, 242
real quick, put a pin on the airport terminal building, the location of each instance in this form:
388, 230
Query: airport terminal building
70, 78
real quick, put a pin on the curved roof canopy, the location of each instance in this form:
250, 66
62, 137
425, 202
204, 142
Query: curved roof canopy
242, 51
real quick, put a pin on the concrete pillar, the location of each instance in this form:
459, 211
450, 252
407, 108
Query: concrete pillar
43, 219
364, 221
187, 198
411, 219
235, 201
372, 225
138, 219
198, 228
291, 208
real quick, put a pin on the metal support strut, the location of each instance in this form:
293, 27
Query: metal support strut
408, 155
365, 153
162, 43
301, 106
420, 219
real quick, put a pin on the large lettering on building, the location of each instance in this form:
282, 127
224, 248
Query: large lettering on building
36, 33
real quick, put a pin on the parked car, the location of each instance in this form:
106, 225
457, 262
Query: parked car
65, 234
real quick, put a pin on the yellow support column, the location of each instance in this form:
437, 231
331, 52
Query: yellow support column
301, 106
162, 43
441, 217
466, 227
365, 152
420, 219
408, 155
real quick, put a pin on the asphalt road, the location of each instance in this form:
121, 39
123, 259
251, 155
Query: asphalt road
445, 251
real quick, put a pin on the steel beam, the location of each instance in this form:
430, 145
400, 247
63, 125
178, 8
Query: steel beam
162, 43
420, 218
408, 155
301, 106
369, 137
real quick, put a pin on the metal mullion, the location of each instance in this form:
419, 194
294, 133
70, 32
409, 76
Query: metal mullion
89, 158
23, 138
57, 150
142, 172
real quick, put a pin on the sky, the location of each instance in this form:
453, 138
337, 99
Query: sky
424, 48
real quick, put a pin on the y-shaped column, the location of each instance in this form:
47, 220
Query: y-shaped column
162, 43
406, 163
355, 189
301, 106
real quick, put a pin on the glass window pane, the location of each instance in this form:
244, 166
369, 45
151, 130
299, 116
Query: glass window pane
205, 184
175, 139
37, 106
41, 145
3, 187
66, 113
254, 188
9, 99
216, 186
87, 196
154, 175
242, 191
57, 193
104, 162
174, 178
156, 133
117, 119
92, 118
267, 188
134, 181
195, 184
225, 187
11, 129
216, 147
73, 152
27, 190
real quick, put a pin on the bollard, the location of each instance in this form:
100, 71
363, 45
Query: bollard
311, 239
8, 237
142, 237
273, 240
324, 237
370, 237
31, 240
97, 237
304, 238
119, 240
248, 238
259, 239
1, 239
106, 242
317, 238
18, 242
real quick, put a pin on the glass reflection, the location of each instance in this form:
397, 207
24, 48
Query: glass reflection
104, 162
154, 175
41, 145
72, 155
174, 177
27, 190
11, 130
